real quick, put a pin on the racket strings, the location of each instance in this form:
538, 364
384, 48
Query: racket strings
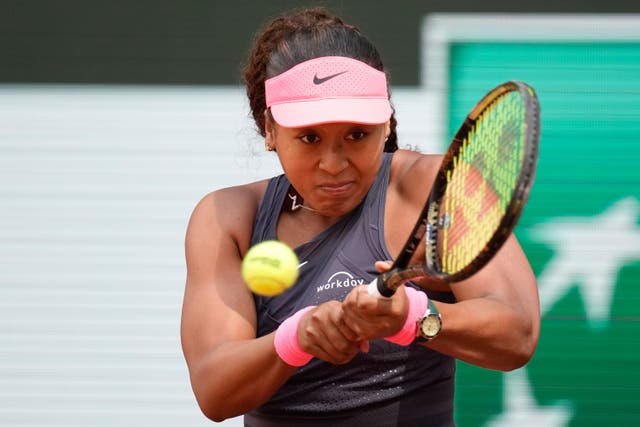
481, 182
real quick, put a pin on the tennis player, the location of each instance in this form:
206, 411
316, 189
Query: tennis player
325, 353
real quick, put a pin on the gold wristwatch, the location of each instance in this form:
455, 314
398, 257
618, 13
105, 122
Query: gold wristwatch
430, 324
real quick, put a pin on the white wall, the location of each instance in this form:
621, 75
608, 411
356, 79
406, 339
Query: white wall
96, 187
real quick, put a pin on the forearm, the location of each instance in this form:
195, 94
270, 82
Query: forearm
486, 332
237, 377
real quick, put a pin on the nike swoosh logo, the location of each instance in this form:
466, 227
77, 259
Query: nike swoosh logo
319, 80
302, 263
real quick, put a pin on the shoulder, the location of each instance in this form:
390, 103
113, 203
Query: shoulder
228, 212
241, 194
412, 175
411, 167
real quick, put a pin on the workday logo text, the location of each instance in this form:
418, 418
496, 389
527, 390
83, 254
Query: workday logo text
341, 279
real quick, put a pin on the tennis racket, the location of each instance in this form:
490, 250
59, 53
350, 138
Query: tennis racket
479, 192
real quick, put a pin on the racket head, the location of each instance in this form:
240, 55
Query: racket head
483, 182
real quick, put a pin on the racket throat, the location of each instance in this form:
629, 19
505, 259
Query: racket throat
434, 226
444, 221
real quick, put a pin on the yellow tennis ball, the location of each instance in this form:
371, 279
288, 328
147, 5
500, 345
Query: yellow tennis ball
270, 267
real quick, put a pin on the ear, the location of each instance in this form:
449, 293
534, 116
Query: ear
270, 133
387, 129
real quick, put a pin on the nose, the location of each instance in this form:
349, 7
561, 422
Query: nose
333, 159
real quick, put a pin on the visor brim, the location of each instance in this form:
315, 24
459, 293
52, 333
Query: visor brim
334, 110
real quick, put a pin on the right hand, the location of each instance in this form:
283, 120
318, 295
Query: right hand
372, 317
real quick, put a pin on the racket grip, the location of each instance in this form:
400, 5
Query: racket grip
372, 288
378, 287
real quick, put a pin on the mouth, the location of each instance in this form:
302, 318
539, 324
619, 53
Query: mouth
336, 188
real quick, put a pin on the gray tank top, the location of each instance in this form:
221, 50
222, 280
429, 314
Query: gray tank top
336, 260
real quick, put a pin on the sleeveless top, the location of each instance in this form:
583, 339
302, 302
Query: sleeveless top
375, 384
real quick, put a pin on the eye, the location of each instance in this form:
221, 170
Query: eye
309, 138
357, 135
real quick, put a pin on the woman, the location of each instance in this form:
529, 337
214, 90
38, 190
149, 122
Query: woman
325, 352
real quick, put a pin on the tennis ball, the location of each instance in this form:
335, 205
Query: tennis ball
270, 267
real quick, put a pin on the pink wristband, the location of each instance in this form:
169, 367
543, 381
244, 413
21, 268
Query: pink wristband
286, 340
418, 303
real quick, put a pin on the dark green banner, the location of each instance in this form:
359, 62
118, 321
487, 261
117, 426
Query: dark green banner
580, 231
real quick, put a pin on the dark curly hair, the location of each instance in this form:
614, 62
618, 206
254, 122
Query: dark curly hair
300, 36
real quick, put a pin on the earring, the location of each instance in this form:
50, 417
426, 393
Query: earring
267, 147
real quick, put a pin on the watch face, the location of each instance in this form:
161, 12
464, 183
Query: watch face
430, 326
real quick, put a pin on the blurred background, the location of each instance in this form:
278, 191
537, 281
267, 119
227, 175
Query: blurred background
116, 117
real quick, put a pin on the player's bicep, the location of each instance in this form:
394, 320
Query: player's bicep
507, 278
217, 306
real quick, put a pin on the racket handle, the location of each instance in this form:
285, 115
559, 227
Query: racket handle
386, 284
372, 288
378, 287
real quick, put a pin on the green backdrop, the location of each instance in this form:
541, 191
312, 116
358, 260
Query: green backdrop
580, 231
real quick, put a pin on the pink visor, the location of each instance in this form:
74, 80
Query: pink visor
327, 90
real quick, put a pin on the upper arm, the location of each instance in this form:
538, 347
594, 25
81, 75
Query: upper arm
507, 279
217, 305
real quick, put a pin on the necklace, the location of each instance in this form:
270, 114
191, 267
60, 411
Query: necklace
295, 201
